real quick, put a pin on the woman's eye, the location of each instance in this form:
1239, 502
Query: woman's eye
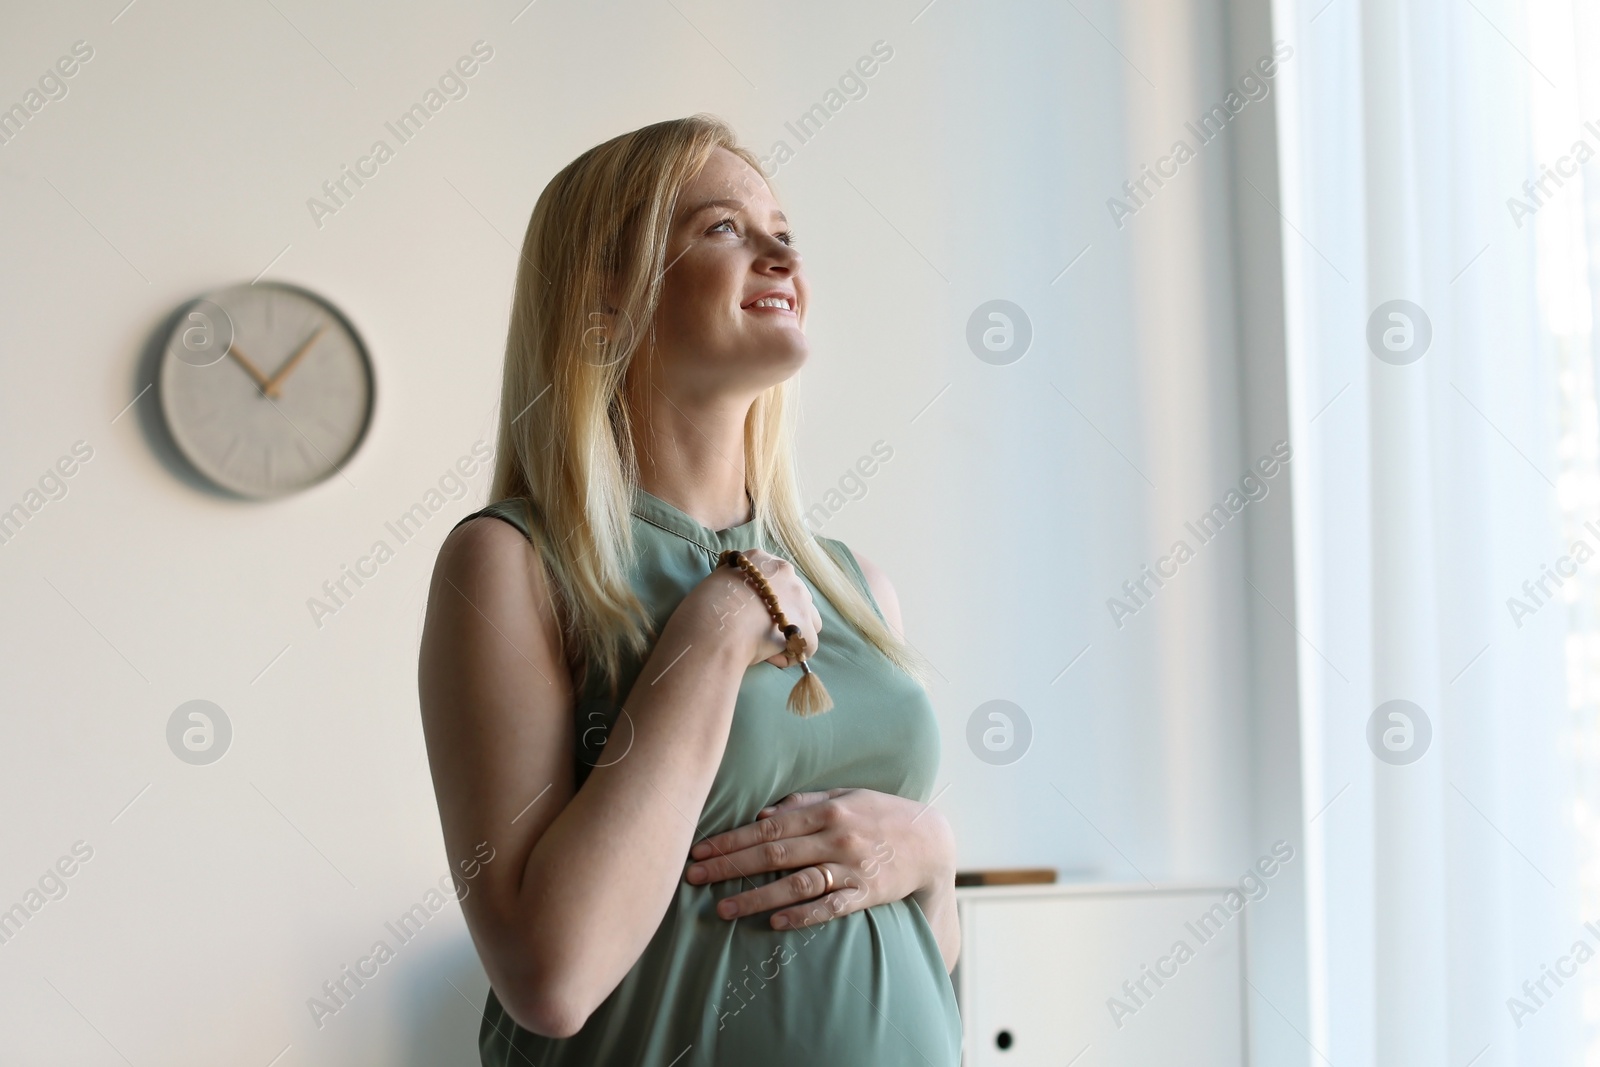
787, 236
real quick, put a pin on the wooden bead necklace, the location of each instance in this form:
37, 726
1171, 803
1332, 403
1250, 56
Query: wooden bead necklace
808, 697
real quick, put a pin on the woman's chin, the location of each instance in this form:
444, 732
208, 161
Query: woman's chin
787, 360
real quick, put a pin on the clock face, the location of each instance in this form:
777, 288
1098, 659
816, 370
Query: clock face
266, 388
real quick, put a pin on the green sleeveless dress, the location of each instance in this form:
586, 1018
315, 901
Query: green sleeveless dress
868, 988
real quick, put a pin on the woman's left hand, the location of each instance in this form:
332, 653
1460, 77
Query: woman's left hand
878, 847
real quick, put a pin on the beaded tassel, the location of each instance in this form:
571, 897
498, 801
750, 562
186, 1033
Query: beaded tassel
808, 697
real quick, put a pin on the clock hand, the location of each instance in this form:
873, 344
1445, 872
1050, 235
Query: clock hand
250, 368
288, 364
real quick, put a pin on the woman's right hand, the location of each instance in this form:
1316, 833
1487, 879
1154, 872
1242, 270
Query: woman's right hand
733, 610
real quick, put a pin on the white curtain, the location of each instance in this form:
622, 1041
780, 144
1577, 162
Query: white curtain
1428, 490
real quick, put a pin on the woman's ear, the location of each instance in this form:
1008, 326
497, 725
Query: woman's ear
619, 326
609, 298
608, 335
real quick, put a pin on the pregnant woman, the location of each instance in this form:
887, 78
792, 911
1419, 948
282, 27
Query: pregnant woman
684, 871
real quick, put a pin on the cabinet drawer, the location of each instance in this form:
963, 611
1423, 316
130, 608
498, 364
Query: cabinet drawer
1135, 976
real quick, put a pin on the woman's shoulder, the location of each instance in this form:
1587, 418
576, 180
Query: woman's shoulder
842, 553
867, 575
518, 511
492, 545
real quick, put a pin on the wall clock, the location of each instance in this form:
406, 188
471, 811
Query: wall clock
266, 389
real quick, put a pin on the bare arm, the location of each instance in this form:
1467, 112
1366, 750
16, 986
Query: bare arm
938, 897
587, 874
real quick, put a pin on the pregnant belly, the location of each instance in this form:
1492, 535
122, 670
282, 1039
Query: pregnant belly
866, 988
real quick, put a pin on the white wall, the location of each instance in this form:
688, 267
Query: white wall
1018, 500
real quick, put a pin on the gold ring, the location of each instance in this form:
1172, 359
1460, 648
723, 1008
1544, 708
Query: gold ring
827, 877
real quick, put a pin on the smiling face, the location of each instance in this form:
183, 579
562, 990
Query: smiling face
734, 297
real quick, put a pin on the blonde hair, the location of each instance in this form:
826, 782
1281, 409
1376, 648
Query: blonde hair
594, 254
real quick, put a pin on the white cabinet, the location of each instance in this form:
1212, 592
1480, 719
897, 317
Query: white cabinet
1101, 976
